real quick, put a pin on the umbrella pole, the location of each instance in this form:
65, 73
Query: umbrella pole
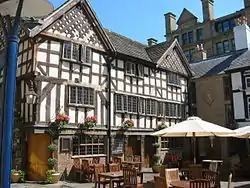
194, 142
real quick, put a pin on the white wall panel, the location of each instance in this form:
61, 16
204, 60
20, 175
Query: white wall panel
81, 115
41, 56
239, 109
128, 88
104, 70
146, 90
65, 75
90, 112
53, 103
98, 106
24, 67
86, 70
134, 90
112, 109
113, 73
120, 74
146, 80
95, 79
54, 59
62, 94
164, 75
103, 60
120, 86
72, 115
154, 123
134, 118
75, 76
53, 72
85, 79
142, 122
140, 90
55, 46
96, 56
158, 83
95, 68
236, 81
118, 120
147, 122
65, 65
43, 45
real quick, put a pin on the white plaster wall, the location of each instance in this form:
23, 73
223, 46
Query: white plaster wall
53, 72
154, 123
118, 120
96, 57
62, 98
112, 110
95, 68
65, 75
43, 45
120, 64
148, 122
239, 110
72, 114
81, 115
54, 59
43, 105
142, 122
236, 81
41, 56
55, 46
53, 103
95, 80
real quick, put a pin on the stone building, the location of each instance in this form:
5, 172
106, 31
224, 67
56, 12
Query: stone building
215, 34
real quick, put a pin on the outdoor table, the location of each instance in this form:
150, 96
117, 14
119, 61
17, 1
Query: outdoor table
111, 176
182, 184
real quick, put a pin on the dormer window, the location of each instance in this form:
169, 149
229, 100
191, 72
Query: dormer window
76, 52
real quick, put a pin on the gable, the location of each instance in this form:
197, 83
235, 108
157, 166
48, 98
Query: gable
186, 15
75, 20
75, 25
174, 60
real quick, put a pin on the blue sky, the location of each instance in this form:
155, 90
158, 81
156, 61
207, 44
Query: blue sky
143, 19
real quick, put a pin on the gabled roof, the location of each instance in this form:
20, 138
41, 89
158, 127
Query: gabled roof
124, 45
217, 65
185, 16
176, 63
56, 14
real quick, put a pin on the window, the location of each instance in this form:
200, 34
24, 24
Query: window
172, 143
160, 109
248, 82
224, 25
199, 34
134, 69
219, 48
151, 107
70, 51
88, 145
167, 108
248, 106
142, 106
184, 38
76, 52
65, 144
126, 103
81, 95
189, 54
173, 78
190, 37
132, 104
226, 46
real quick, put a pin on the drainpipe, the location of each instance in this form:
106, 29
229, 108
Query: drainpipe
109, 64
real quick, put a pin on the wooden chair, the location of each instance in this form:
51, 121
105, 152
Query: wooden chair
113, 167
77, 165
171, 174
100, 168
185, 172
96, 160
117, 160
200, 183
195, 172
130, 178
129, 158
137, 158
160, 182
87, 170
210, 176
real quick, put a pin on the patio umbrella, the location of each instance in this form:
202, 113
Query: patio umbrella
194, 127
243, 132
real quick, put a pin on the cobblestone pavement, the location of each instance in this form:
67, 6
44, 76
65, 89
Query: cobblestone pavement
147, 177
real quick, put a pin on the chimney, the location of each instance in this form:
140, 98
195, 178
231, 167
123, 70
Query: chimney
152, 42
242, 34
208, 9
199, 53
170, 24
246, 3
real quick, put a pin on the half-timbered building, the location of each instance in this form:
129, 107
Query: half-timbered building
76, 66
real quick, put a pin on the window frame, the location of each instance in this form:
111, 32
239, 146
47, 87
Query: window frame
199, 34
246, 81
71, 51
62, 149
76, 150
90, 94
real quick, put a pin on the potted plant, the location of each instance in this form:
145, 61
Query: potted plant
15, 176
52, 175
89, 122
156, 164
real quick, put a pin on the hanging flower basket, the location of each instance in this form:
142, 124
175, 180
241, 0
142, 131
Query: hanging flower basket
127, 124
89, 122
61, 120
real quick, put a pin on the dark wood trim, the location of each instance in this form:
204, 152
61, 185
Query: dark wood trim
50, 79
46, 91
42, 71
48, 57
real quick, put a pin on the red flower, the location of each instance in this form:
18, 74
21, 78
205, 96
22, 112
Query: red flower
67, 118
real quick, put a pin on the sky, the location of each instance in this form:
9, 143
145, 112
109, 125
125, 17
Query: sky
143, 19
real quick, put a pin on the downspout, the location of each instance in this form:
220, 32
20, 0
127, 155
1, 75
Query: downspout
109, 110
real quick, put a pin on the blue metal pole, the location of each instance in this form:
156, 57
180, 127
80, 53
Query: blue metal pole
9, 99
